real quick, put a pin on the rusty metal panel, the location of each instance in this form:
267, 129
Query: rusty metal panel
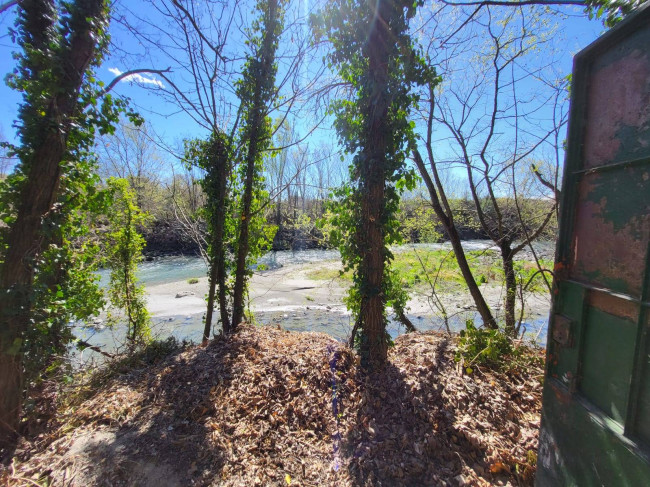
612, 227
562, 331
618, 130
596, 409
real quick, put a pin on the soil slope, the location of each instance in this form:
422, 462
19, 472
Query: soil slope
272, 407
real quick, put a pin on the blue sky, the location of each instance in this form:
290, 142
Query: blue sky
167, 121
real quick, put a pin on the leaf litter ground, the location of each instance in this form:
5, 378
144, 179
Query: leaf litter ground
272, 407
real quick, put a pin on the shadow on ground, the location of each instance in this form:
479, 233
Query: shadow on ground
166, 442
271, 407
401, 435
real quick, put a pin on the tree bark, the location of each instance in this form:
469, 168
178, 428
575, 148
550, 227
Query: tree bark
221, 169
244, 228
36, 199
507, 257
223, 291
211, 295
408, 324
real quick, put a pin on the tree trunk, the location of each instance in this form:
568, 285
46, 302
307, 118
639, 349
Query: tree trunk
374, 344
481, 306
244, 232
278, 211
456, 244
211, 294
223, 291
37, 196
507, 258
263, 82
221, 168
11, 385
408, 324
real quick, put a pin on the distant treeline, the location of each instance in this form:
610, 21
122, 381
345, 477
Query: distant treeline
303, 224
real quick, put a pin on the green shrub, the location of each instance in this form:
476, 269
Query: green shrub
482, 346
123, 253
192, 280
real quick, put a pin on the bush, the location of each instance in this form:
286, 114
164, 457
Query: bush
482, 346
124, 252
495, 350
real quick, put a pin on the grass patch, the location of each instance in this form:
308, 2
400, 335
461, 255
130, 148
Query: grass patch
328, 274
417, 268
525, 270
193, 280
486, 266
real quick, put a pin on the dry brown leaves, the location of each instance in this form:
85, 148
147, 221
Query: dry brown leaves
257, 409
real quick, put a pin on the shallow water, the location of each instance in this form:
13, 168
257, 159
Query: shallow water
332, 321
164, 270
335, 323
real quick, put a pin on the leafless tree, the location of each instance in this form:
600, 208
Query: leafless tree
131, 153
499, 108
200, 50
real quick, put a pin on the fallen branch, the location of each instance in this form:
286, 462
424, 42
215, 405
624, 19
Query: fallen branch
85, 344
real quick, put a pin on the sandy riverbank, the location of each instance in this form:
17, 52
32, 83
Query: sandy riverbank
286, 288
290, 289
293, 298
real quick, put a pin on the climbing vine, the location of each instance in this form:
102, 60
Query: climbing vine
256, 91
62, 110
124, 245
214, 156
373, 53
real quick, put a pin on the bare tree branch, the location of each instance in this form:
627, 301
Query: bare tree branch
7, 5
131, 72
544, 182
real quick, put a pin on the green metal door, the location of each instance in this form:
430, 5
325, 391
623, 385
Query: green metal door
596, 410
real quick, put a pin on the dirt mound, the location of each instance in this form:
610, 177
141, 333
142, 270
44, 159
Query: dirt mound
272, 407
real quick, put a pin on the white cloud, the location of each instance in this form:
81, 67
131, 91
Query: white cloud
137, 78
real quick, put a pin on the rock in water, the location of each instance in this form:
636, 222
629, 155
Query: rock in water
184, 294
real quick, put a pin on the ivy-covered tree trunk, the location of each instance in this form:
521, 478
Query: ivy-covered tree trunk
244, 225
256, 91
375, 55
374, 344
219, 171
212, 291
45, 138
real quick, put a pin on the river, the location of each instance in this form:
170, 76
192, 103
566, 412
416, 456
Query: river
282, 294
